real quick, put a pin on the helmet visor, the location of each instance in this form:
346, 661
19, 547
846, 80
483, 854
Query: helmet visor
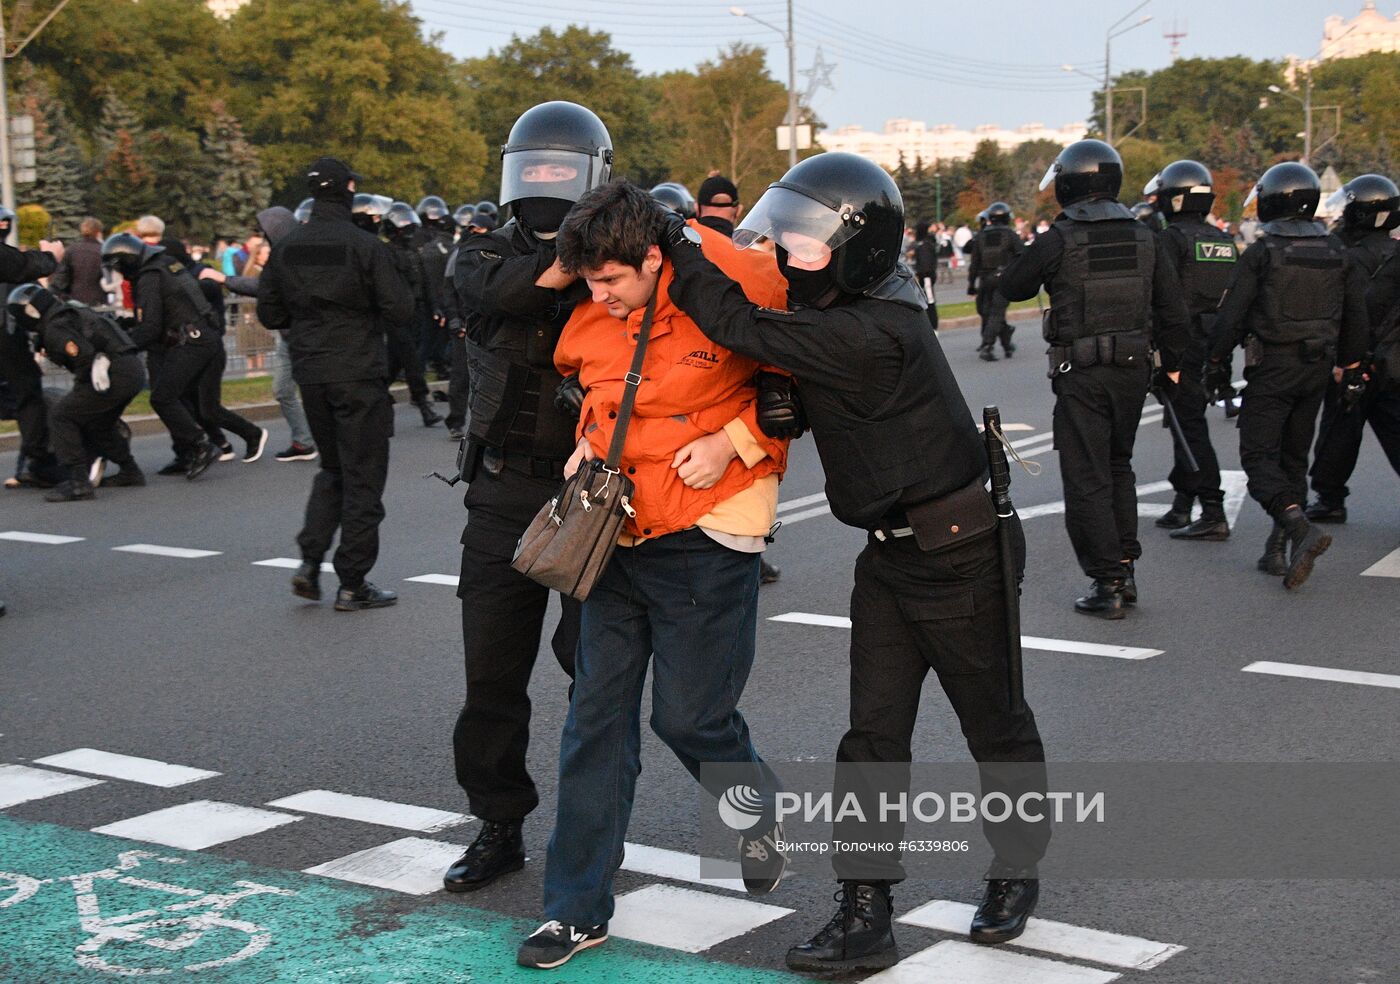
1050, 173
1152, 187
1335, 202
1253, 197
803, 226
544, 173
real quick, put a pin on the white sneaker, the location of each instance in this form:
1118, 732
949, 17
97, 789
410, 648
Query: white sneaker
96, 470
256, 448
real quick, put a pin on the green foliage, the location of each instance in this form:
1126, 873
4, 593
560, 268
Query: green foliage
62, 182
238, 189
34, 225
123, 181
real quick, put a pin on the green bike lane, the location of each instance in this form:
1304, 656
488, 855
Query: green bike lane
79, 906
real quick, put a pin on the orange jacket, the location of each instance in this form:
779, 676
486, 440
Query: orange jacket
690, 387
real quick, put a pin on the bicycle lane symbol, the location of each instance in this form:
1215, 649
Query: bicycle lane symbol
169, 929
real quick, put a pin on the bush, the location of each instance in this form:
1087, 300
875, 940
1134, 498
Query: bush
34, 223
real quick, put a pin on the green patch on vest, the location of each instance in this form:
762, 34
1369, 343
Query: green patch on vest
1215, 252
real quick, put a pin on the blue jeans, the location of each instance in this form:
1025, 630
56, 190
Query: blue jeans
284, 390
689, 606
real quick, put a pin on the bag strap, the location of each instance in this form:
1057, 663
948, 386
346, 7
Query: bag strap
629, 393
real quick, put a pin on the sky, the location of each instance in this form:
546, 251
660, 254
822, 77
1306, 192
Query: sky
964, 63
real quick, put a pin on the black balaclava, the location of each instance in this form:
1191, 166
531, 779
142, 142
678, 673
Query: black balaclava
809, 288
542, 214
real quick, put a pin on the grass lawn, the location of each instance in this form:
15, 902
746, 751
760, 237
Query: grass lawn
963, 309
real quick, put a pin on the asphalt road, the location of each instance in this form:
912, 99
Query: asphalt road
210, 662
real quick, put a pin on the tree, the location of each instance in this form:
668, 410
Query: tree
62, 180
989, 178
1141, 160
123, 180
239, 190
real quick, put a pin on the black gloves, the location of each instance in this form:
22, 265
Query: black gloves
676, 234
1217, 382
568, 398
1162, 384
1353, 386
780, 413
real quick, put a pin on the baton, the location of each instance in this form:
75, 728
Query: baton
1006, 512
1178, 435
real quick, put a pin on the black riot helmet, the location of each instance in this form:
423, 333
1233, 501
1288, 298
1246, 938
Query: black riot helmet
556, 151
27, 304
676, 197
999, 213
1286, 191
1182, 186
432, 209
367, 211
401, 221
982, 219
7, 221
303, 211
1367, 202
488, 207
463, 216
1085, 169
125, 253
834, 203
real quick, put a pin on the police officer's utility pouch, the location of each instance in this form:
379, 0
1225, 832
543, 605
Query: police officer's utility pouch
568, 544
953, 518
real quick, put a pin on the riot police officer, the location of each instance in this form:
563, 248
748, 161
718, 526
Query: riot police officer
472, 220
993, 249
517, 443
928, 592
433, 250
1203, 258
18, 370
1370, 207
676, 197
1304, 306
333, 288
401, 227
1113, 297
107, 374
1147, 214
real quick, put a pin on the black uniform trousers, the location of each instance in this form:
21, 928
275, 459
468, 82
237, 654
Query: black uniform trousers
992, 305
1277, 415
913, 611
176, 373
403, 357
26, 382
86, 422
351, 422
211, 411
1339, 439
459, 387
1097, 412
1188, 399
502, 620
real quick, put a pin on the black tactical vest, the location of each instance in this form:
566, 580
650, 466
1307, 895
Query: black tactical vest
994, 250
104, 333
183, 304
1208, 260
1104, 283
1304, 284
921, 445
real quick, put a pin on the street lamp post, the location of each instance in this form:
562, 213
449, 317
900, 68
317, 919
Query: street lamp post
1306, 102
790, 40
7, 176
1114, 30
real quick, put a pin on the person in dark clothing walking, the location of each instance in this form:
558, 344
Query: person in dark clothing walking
1303, 304
1370, 207
1203, 258
39, 467
472, 220
1113, 299
401, 227
79, 276
332, 288
993, 249
434, 245
926, 270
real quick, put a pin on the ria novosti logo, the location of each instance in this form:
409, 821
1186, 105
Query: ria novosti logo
740, 807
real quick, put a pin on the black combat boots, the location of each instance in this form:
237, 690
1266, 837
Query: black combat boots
1275, 561
1007, 905
430, 416
1106, 599
70, 490
306, 582
497, 850
858, 937
1210, 527
1323, 511
985, 353
1129, 582
1306, 543
1179, 515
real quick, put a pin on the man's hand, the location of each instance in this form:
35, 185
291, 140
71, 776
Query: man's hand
702, 462
1353, 380
209, 273
52, 246
971, 290
555, 278
1217, 381
568, 398
100, 380
780, 411
582, 453
676, 234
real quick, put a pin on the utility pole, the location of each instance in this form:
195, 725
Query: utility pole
792, 89
1307, 120
7, 176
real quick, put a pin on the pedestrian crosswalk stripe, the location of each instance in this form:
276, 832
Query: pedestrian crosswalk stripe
451, 580
326, 803
1047, 936
195, 826
967, 963
291, 564
20, 784
678, 866
687, 920
1387, 566
787, 519
155, 550
1325, 673
20, 536
1029, 642
806, 500
129, 767
412, 865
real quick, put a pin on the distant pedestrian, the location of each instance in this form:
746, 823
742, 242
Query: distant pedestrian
79, 276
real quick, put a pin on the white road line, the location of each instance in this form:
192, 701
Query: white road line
1325, 673
20, 784
967, 963
1387, 566
686, 920
19, 536
411, 865
806, 500
129, 767
329, 804
195, 826
451, 580
1010, 428
788, 519
155, 550
1235, 485
1028, 642
1061, 939
677, 866
291, 564
1055, 508
1026, 442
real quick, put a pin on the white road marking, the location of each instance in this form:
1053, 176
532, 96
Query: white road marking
20, 784
789, 518
1028, 642
329, 804
967, 963
411, 865
1061, 939
1235, 485
129, 767
1325, 673
155, 550
1055, 508
679, 866
806, 500
291, 564
19, 536
687, 920
451, 580
195, 826
1009, 428
1387, 566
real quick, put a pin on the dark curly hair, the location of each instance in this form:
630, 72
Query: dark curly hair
616, 221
